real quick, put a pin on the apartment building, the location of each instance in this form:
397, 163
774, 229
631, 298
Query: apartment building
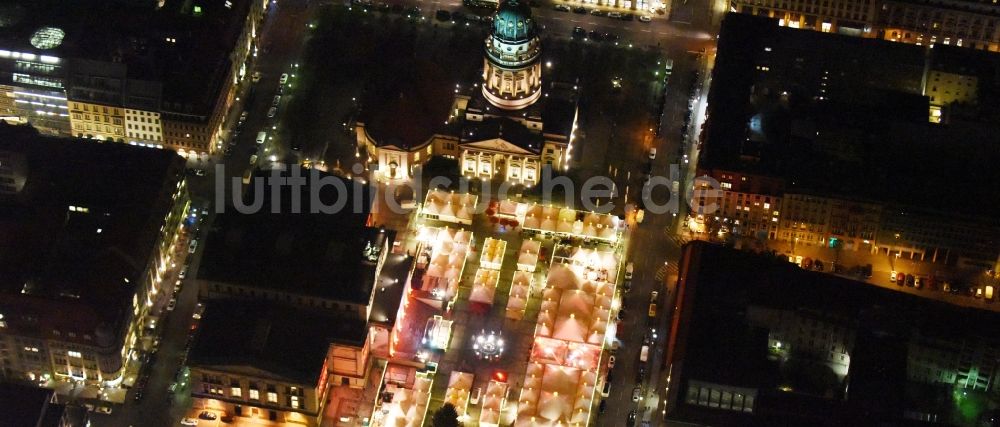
83, 251
257, 360
963, 23
140, 73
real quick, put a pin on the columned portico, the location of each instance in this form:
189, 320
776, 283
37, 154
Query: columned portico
489, 164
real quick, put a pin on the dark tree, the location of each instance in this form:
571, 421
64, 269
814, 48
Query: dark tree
446, 417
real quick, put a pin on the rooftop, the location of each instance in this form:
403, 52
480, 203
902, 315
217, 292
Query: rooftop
503, 128
24, 405
80, 228
835, 114
286, 342
407, 112
556, 109
168, 44
327, 255
720, 286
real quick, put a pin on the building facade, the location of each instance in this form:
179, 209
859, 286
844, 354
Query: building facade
83, 320
509, 129
964, 23
135, 88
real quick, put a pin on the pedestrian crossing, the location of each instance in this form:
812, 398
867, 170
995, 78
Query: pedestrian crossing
664, 270
677, 239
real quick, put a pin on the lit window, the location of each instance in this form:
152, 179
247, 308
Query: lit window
236, 392
74, 354
295, 402
254, 394
272, 397
726, 185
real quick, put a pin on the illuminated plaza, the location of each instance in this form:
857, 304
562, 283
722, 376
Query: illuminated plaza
506, 314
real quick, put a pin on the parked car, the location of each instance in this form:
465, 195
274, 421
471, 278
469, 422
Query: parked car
580, 10
611, 361
183, 273
189, 422
597, 12
653, 295
892, 275
615, 15
579, 33
644, 18
193, 246
205, 415
629, 269
172, 304
910, 281
272, 112
630, 421
561, 8
900, 279
283, 79
637, 393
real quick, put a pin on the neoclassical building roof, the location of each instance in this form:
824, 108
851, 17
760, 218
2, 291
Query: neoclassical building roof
513, 22
411, 109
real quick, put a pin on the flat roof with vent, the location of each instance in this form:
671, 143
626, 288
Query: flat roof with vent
324, 255
282, 341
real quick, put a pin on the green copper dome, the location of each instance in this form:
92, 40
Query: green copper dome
513, 22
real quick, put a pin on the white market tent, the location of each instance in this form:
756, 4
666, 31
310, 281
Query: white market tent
492, 254
570, 222
408, 405
527, 256
449, 206
493, 403
573, 319
484, 286
517, 300
459, 388
446, 249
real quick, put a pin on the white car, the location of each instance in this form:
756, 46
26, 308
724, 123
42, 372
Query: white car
628, 271
644, 18
272, 112
615, 15
183, 273
611, 361
189, 422
637, 393
103, 410
284, 78
193, 246
172, 304
652, 153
